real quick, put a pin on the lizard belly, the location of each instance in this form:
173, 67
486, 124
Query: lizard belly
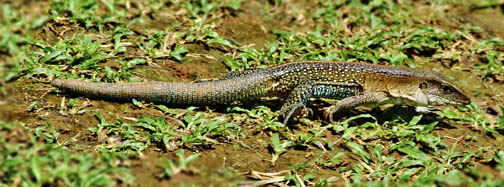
335, 91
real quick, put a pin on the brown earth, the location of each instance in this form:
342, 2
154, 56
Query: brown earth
247, 27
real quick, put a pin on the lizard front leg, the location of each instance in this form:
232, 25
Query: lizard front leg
351, 102
297, 98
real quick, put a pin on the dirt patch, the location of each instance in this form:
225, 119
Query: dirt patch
480, 17
37, 104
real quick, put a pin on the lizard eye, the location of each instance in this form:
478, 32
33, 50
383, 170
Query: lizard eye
447, 89
423, 85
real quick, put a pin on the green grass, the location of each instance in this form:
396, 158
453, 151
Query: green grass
29, 162
194, 130
174, 167
67, 140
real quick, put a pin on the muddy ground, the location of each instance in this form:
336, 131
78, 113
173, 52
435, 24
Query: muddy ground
232, 159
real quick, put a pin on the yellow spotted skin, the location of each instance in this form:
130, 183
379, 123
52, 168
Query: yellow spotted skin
354, 83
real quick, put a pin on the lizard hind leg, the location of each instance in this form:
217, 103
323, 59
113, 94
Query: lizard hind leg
297, 98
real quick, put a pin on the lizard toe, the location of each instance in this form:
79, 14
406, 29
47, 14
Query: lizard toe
328, 112
307, 111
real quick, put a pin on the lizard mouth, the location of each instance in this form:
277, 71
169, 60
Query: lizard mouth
463, 101
438, 101
466, 102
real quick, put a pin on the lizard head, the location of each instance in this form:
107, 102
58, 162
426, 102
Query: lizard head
440, 92
426, 87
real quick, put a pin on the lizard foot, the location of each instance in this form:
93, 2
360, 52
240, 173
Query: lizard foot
296, 112
328, 112
303, 110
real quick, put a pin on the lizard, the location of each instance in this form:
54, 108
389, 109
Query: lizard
353, 84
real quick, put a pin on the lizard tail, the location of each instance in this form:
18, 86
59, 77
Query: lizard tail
152, 91
211, 92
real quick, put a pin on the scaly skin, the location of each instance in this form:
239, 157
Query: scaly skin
352, 83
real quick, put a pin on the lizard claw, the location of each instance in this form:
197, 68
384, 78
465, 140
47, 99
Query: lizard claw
329, 112
296, 111
307, 111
